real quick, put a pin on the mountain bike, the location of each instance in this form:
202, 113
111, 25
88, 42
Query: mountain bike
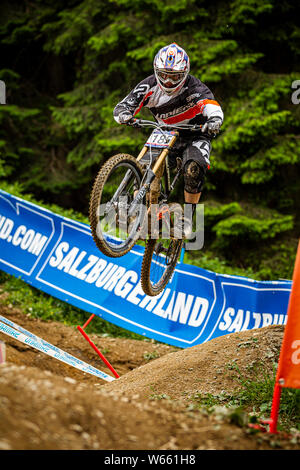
129, 201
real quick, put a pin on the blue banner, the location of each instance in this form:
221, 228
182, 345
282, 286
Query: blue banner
59, 256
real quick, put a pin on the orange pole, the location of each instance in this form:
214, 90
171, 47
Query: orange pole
288, 372
275, 409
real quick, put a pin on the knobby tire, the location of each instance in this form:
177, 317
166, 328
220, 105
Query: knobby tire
147, 285
95, 201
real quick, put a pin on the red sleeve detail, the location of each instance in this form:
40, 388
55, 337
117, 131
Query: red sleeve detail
143, 101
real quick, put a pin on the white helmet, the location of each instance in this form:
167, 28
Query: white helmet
171, 67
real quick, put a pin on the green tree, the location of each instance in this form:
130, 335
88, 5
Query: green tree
67, 65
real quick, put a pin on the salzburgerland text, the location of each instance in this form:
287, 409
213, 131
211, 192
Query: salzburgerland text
59, 256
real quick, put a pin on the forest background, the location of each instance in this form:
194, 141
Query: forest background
67, 64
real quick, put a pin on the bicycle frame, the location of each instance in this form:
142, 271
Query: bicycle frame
157, 171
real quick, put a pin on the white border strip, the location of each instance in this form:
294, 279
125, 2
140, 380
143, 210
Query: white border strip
35, 342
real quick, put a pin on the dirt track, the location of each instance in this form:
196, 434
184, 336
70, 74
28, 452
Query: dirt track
45, 404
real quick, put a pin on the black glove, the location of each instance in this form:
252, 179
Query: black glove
124, 117
212, 126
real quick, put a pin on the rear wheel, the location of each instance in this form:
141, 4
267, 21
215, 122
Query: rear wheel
111, 196
159, 261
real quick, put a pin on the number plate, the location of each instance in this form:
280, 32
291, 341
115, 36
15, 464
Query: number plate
159, 140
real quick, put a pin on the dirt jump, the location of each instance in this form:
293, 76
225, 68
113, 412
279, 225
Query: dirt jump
48, 405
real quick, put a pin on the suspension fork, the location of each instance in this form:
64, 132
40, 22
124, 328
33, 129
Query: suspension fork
124, 181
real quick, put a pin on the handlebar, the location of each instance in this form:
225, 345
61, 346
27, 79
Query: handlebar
144, 123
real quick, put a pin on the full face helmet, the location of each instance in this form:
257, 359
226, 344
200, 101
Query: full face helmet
171, 68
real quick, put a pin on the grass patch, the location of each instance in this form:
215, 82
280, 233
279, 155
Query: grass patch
151, 355
255, 398
160, 396
38, 304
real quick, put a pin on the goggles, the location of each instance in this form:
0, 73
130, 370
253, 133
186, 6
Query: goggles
173, 77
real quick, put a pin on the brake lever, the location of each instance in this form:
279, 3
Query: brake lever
134, 123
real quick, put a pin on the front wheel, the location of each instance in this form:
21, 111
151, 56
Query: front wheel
113, 192
159, 261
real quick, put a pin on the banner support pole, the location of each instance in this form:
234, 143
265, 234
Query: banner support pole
88, 321
102, 357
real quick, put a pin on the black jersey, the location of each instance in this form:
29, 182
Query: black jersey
193, 104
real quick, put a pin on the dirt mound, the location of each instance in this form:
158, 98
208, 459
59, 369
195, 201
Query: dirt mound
208, 368
45, 404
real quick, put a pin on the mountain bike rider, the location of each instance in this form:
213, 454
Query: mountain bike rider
173, 96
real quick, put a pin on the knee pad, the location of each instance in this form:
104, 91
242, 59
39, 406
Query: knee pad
194, 176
